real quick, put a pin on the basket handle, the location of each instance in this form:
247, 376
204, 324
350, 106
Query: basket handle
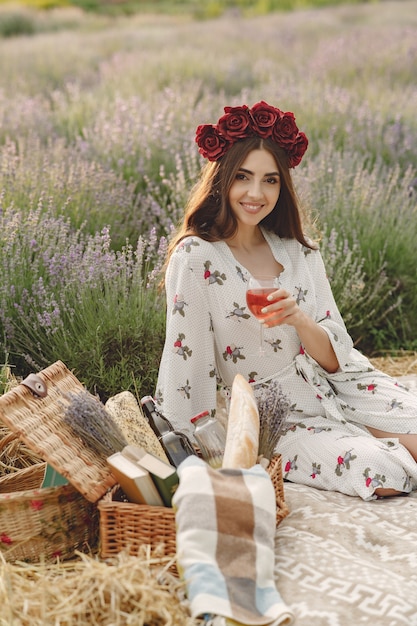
36, 385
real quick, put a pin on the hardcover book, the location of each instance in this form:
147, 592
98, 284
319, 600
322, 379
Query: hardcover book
135, 481
163, 474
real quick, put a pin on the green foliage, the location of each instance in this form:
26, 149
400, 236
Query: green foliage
67, 296
15, 23
365, 300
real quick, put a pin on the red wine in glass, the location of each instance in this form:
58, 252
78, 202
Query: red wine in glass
256, 299
257, 292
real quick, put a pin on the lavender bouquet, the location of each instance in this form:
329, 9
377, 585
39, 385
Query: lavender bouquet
273, 407
88, 418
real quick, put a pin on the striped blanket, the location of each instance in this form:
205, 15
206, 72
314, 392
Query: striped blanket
225, 543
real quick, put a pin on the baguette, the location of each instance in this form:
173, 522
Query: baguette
242, 438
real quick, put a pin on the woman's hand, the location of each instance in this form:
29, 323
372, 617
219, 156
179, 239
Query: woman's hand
282, 310
314, 339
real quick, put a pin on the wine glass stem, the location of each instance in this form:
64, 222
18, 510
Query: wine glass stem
261, 338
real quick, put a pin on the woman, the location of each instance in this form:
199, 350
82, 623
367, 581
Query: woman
351, 428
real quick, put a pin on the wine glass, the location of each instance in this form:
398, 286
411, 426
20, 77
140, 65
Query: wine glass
257, 291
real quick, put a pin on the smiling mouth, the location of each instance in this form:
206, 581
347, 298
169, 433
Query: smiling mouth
251, 208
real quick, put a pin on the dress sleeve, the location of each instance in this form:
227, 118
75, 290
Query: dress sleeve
327, 312
187, 381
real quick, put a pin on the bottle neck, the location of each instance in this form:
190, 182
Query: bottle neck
157, 421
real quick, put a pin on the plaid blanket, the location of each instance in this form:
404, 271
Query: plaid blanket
225, 543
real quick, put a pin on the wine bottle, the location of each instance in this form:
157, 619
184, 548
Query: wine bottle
176, 444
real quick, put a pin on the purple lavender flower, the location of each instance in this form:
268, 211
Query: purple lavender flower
273, 407
89, 419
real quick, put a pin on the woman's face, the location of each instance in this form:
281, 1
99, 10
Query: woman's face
255, 190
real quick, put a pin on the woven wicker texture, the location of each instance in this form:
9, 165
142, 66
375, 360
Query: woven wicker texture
127, 526
39, 423
275, 472
46, 524
23, 479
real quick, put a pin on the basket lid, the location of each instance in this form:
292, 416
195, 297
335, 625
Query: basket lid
35, 409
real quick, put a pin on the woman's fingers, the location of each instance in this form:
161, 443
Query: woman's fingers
282, 307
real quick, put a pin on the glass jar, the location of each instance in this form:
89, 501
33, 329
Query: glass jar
211, 437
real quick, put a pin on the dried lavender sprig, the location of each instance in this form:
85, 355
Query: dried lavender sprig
93, 424
273, 407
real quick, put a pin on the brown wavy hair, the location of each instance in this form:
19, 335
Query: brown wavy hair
208, 213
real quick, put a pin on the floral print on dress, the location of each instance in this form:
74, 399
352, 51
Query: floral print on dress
180, 348
241, 275
179, 305
301, 294
274, 343
238, 312
213, 277
394, 404
185, 390
290, 466
315, 430
371, 387
373, 481
233, 353
187, 244
315, 470
343, 462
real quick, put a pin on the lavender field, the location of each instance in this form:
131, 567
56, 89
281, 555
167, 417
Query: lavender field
97, 155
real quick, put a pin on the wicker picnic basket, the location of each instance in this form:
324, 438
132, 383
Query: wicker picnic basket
128, 526
123, 526
56, 521
45, 523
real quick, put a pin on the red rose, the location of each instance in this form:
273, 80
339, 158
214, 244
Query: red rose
296, 153
264, 116
211, 145
285, 130
234, 124
5, 539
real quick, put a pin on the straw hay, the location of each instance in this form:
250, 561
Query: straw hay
14, 454
402, 364
123, 591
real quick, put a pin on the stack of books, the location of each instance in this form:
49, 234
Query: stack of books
143, 477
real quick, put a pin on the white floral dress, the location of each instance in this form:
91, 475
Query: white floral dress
211, 336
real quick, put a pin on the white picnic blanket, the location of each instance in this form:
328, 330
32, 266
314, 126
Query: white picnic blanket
341, 561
